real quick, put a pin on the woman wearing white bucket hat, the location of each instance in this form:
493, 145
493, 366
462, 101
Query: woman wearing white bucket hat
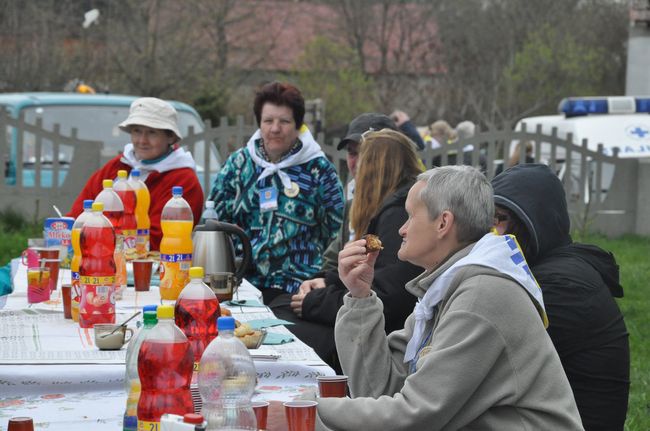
154, 151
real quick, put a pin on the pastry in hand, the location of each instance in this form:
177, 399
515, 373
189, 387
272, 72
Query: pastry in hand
373, 243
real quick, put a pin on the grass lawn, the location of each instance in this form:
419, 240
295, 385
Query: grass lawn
632, 254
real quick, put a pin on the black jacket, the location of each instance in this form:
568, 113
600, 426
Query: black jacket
578, 283
391, 274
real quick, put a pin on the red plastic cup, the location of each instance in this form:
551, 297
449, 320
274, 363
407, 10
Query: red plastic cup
38, 285
142, 274
261, 409
47, 252
301, 415
333, 386
53, 266
21, 424
66, 294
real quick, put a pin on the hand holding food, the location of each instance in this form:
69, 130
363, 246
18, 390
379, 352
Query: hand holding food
373, 243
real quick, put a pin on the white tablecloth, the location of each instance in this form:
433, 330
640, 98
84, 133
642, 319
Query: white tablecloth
51, 371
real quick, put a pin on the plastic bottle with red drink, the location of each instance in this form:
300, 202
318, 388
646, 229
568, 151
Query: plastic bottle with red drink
114, 210
165, 363
76, 257
143, 201
128, 223
176, 222
97, 270
196, 313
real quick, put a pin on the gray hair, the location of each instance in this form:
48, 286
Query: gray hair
465, 129
466, 193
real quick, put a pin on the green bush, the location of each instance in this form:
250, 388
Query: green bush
15, 228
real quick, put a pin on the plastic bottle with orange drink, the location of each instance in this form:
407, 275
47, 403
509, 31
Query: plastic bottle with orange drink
76, 258
176, 222
97, 269
114, 210
128, 222
143, 201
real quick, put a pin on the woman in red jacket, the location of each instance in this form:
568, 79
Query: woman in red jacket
154, 150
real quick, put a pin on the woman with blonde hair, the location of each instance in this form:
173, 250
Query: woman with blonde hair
387, 168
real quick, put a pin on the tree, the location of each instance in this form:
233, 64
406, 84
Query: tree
550, 66
331, 71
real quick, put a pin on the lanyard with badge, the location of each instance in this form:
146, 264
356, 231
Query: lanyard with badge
269, 196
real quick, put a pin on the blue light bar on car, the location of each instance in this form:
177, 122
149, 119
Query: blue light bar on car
579, 106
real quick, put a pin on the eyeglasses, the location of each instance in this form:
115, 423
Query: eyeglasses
365, 134
500, 218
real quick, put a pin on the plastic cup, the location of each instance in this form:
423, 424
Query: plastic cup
66, 293
21, 424
142, 274
301, 415
53, 266
38, 285
261, 409
333, 386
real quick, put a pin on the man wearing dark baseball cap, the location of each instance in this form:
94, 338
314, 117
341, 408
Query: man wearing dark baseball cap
363, 123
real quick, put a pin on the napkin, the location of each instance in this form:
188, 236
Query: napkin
267, 323
244, 303
275, 338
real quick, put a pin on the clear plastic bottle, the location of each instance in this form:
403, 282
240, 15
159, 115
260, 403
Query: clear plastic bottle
97, 270
165, 363
196, 312
176, 222
131, 379
209, 213
128, 222
114, 210
76, 258
143, 201
227, 381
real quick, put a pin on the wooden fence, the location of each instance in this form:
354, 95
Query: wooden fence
603, 191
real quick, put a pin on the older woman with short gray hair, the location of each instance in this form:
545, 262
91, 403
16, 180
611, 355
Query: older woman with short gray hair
474, 353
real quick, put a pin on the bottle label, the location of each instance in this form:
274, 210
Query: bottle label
142, 243
148, 426
174, 274
97, 295
130, 238
76, 286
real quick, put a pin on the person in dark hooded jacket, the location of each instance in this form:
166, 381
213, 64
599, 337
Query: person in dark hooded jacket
579, 283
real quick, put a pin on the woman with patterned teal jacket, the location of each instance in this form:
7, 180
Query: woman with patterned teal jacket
284, 193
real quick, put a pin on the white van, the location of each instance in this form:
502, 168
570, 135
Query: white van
621, 122
616, 122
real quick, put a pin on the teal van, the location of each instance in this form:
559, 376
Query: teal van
95, 117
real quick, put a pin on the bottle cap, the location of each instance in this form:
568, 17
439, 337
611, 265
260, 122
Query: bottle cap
196, 272
88, 203
151, 307
98, 206
226, 323
177, 190
165, 312
21, 424
107, 184
150, 317
121, 173
192, 418
135, 173
209, 204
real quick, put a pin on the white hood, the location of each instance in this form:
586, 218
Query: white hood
310, 150
178, 158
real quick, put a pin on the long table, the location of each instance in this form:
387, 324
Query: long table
51, 370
